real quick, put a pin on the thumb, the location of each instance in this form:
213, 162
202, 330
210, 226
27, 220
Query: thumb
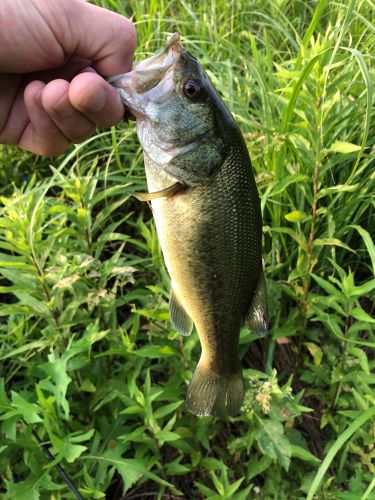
103, 37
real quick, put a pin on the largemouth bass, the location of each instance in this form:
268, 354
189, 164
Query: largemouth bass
207, 214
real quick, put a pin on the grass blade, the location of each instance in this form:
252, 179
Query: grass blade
368, 242
337, 445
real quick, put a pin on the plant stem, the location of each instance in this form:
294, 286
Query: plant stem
270, 355
342, 365
46, 291
309, 264
313, 214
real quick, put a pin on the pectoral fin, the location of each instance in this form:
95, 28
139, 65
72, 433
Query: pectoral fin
257, 317
180, 320
163, 193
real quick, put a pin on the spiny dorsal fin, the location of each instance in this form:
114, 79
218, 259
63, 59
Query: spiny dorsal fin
163, 193
257, 317
180, 320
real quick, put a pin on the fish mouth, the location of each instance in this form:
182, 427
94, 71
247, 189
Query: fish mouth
147, 74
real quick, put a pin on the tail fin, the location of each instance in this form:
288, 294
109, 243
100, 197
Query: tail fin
210, 393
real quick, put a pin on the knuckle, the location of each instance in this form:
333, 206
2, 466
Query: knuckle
77, 136
54, 148
131, 35
127, 31
107, 121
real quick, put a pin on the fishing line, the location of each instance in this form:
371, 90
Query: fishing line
58, 467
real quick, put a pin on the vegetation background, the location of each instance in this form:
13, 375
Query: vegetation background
88, 358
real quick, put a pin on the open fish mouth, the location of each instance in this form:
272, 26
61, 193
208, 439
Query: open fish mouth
148, 73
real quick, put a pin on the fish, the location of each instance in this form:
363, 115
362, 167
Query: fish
207, 214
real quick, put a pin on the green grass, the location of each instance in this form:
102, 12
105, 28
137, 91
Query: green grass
88, 358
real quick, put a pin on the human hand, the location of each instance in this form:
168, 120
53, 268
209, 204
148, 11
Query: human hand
53, 57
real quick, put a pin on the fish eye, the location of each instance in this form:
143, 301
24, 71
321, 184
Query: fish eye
191, 89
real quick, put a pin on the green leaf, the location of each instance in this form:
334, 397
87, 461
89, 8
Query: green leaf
368, 242
334, 449
91, 335
130, 466
30, 346
204, 489
166, 436
302, 454
361, 315
257, 465
243, 494
344, 147
28, 411
79, 437
58, 382
331, 242
88, 386
90, 493
217, 483
71, 451
234, 487
326, 285
33, 305
175, 467
133, 410
164, 410
295, 216
65, 447
315, 351
288, 111
9, 427
339, 188
299, 238
363, 289
31, 488
155, 351
273, 443
369, 93
9, 261
361, 356
289, 326
8, 310
160, 314
4, 400
211, 463
280, 186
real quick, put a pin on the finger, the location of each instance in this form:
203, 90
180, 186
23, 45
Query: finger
106, 38
73, 124
41, 135
96, 99
47, 34
13, 116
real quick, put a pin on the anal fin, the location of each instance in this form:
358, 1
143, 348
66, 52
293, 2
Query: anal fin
257, 317
180, 320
